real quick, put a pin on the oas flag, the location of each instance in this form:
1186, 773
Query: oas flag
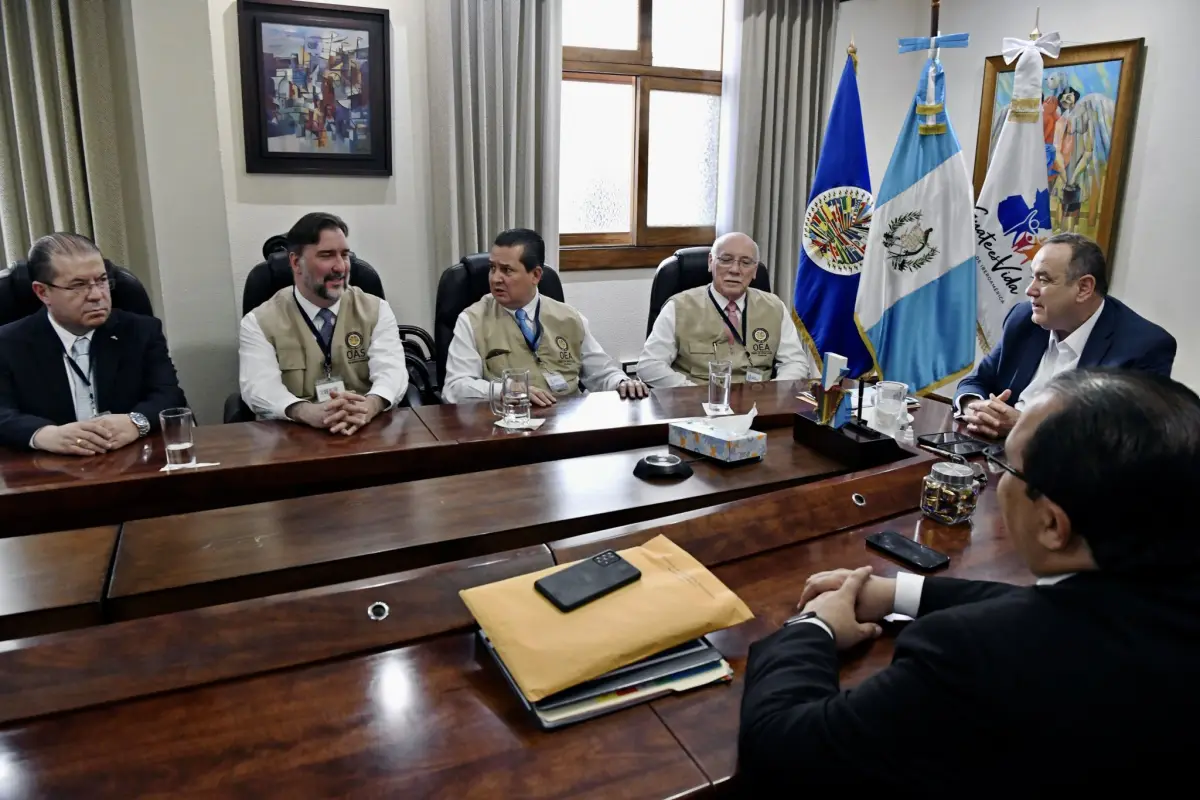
835, 235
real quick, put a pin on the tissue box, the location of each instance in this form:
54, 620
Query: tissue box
700, 436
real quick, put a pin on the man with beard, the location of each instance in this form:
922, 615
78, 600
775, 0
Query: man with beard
321, 352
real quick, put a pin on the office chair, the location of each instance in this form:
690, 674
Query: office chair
274, 272
463, 284
687, 268
17, 299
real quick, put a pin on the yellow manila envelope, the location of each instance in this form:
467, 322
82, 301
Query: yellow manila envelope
546, 650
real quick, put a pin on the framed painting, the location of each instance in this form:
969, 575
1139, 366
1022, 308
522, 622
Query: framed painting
1089, 99
315, 93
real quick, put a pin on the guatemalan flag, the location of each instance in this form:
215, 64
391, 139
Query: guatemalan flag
1012, 215
835, 235
916, 296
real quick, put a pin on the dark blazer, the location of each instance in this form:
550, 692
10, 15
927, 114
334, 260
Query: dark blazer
132, 368
993, 690
1121, 338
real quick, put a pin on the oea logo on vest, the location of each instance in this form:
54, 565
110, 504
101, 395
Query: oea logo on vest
354, 347
564, 349
759, 339
836, 224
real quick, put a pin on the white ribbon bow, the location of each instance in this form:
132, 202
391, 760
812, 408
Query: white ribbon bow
1048, 45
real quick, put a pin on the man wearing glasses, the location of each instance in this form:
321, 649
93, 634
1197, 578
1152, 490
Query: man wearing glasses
724, 321
1080, 680
80, 377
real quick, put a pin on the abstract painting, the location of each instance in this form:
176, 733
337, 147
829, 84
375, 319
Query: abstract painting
314, 91
1088, 98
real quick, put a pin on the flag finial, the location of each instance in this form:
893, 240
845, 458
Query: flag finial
852, 51
1036, 33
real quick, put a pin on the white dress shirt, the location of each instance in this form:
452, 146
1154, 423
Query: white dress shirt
1059, 357
262, 382
77, 388
662, 348
464, 365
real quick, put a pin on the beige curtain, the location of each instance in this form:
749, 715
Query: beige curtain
774, 97
58, 154
495, 79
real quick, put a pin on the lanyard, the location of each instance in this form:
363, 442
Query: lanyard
537, 329
77, 370
745, 314
326, 349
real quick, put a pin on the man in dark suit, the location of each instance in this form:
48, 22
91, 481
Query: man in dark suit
1067, 323
80, 377
1086, 677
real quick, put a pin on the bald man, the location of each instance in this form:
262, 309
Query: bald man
724, 321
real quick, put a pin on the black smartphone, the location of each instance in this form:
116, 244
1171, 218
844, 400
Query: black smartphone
906, 551
590, 579
953, 443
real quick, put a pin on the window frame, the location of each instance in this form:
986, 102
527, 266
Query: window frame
642, 245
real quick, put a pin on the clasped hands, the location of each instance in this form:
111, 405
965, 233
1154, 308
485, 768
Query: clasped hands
343, 412
851, 602
87, 437
993, 417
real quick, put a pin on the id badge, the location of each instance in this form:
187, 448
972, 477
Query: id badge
325, 387
755, 375
556, 382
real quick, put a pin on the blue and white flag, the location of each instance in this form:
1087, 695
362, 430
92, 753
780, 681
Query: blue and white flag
835, 235
916, 295
1012, 215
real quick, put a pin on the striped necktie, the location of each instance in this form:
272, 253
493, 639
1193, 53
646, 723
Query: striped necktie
85, 405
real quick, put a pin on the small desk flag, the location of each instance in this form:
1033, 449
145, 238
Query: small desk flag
916, 296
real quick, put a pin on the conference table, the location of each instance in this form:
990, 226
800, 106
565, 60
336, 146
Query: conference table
244, 661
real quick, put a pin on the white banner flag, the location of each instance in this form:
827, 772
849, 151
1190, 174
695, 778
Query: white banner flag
1012, 214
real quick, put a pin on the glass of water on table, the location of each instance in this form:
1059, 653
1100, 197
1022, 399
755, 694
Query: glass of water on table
177, 427
891, 410
720, 376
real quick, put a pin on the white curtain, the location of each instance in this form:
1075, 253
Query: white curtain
775, 93
495, 79
58, 146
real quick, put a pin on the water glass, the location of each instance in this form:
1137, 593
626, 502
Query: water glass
509, 396
720, 376
890, 406
177, 426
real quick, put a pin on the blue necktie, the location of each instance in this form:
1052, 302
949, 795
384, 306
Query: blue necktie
526, 328
325, 323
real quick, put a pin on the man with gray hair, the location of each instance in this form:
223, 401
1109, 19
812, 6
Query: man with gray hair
1069, 322
724, 321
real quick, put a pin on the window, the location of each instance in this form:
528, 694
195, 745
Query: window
641, 99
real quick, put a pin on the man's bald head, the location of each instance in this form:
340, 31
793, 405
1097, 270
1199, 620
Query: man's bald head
733, 262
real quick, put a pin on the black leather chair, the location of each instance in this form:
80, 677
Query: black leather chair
462, 285
274, 273
687, 268
17, 299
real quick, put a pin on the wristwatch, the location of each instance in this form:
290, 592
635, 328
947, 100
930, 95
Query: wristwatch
143, 424
801, 617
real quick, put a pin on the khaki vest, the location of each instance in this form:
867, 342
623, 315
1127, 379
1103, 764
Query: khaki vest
301, 361
502, 346
701, 335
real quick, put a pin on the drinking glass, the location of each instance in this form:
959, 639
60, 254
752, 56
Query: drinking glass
720, 376
890, 410
177, 425
509, 396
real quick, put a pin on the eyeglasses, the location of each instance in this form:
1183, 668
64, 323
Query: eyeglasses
997, 463
727, 260
103, 284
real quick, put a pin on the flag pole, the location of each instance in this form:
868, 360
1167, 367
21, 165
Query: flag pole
1036, 33
933, 23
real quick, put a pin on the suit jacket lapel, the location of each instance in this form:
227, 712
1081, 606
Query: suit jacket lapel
1035, 348
1101, 337
48, 355
106, 358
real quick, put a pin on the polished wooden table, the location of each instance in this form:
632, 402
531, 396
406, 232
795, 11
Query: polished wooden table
258, 461
429, 717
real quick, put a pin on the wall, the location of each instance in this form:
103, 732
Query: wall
388, 217
615, 302
1152, 270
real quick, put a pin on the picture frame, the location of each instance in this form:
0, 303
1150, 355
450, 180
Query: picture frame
1089, 102
316, 94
